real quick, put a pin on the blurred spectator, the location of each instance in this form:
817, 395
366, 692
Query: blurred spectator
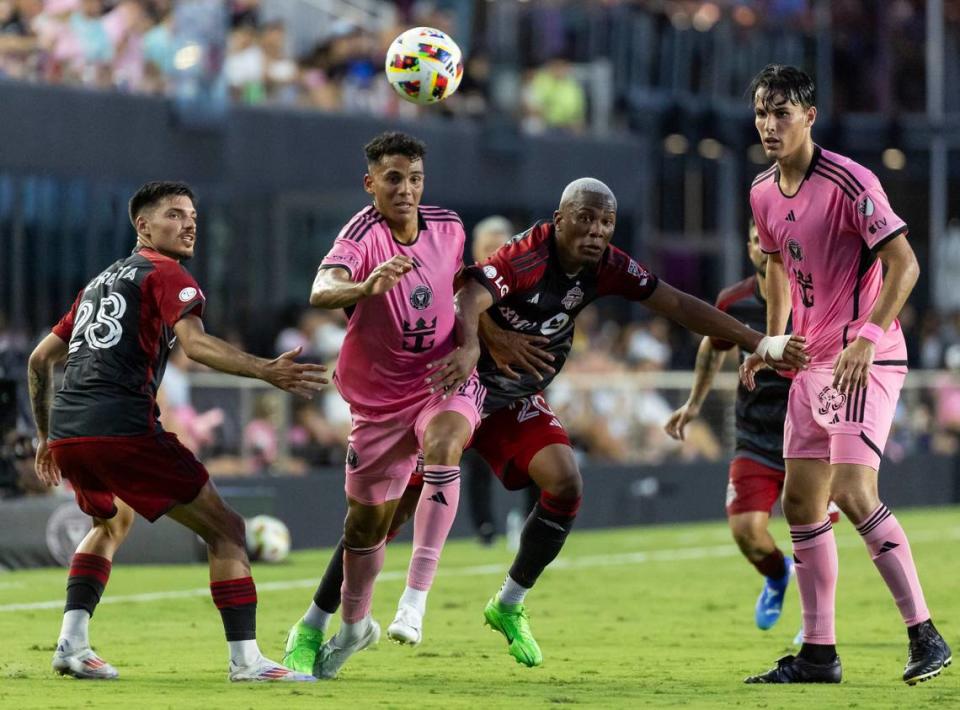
554, 99
195, 430
489, 235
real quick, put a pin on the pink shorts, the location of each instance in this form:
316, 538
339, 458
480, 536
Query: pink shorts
383, 447
823, 423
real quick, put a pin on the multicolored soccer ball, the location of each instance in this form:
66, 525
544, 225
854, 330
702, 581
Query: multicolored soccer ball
268, 539
424, 65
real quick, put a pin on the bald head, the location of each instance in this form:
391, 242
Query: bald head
586, 186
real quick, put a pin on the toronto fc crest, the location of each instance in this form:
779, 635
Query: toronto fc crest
573, 298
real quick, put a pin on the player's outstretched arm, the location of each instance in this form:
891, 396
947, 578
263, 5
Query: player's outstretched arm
508, 347
901, 272
783, 352
50, 351
778, 313
333, 288
448, 373
284, 372
709, 361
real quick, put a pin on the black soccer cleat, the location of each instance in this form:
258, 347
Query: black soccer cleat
792, 669
928, 655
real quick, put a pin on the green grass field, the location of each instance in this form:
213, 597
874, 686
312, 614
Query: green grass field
639, 617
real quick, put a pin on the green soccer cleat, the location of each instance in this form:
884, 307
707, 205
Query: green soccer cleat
303, 642
511, 621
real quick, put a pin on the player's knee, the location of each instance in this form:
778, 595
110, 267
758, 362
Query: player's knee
856, 504
121, 523
230, 527
746, 535
567, 483
443, 450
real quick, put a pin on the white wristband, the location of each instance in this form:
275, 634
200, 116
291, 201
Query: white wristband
773, 345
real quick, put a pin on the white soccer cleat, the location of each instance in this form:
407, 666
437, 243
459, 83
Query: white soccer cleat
407, 626
81, 663
335, 652
265, 670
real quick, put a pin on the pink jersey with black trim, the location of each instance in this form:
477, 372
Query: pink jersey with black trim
828, 234
392, 337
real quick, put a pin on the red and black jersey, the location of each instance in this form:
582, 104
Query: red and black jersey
120, 332
759, 414
533, 295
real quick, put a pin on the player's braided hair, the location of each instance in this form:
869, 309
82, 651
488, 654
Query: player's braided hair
394, 143
795, 84
152, 192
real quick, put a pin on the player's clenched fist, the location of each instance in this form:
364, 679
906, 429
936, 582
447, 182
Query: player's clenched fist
386, 275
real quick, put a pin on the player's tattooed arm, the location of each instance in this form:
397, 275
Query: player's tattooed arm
901, 270
709, 362
48, 353
333, 288
283, 372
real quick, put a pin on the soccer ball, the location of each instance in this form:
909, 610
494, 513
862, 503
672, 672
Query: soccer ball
424, 65
268, 539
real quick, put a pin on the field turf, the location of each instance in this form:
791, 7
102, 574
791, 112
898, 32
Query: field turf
635, 617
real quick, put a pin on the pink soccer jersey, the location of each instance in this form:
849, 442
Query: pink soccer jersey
391, 338
828, 234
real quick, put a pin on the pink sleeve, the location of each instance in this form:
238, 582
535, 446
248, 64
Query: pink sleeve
349, 255
767, 244
176, 293
873, 218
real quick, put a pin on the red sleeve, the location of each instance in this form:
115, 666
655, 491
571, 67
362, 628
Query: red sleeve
513, 267
175, 292
64, 327
621, 275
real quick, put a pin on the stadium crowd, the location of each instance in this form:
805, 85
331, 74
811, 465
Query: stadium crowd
138, 46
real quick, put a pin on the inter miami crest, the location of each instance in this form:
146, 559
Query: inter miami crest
795, 251
422, 297
352, 459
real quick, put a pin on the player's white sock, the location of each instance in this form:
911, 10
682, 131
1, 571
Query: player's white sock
511, 592
417, 598
75, 627
317, 617
244, 653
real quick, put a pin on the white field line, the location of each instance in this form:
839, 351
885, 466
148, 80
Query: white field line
681, 554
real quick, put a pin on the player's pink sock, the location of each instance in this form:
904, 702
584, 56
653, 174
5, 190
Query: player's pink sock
431, 524
890, 552
360, 569
815, 558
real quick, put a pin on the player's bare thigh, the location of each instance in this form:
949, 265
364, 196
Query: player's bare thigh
806, 491
554, 469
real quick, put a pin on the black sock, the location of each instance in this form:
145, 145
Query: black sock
237, 601
821, 654
87, 580
327, 596
914, 631
542, 538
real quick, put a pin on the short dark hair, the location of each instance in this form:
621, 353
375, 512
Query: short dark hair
152, 192
394, 143
795, 84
